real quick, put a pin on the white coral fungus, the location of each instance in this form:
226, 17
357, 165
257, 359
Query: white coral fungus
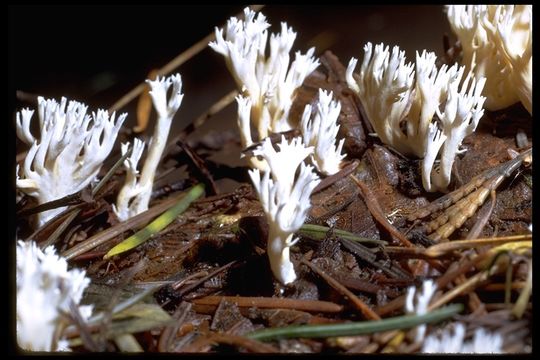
285, 200
497, 45
134, 196
418, 305
451, 342
69, 153
45, 289
401, 107
268, 81
320, 131
130, 189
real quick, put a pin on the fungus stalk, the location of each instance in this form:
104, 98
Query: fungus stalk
462, 112
268, 82
285, 200
69, 153
45, 289
130, 189
134, 197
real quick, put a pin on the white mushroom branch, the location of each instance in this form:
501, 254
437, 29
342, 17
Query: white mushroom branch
425, 114
285, 200
45, 290
69, 152
497, 45
134, 196
268, 81
320, 131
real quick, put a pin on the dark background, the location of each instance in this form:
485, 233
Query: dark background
96, 54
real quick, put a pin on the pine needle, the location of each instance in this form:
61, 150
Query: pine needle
355, 328
158, 224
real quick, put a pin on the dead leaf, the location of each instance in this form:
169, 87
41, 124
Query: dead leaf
144, 105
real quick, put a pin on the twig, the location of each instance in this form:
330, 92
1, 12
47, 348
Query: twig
200, 168
376, 211
84, 330
90, 255
201, 281
272, 303
443, 248
362, 285
50, 226
521, 303
366, 255
60, 229
327, 181
172, 65
111, 171
465, 287
451, 273
175, 285
219, 105
359, 304
72, 199
516, 285
360, 251
460, 267
475, 303
167, 335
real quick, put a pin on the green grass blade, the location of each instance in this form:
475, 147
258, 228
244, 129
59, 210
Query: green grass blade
158, 224
128, 343
319, 232
355, 328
